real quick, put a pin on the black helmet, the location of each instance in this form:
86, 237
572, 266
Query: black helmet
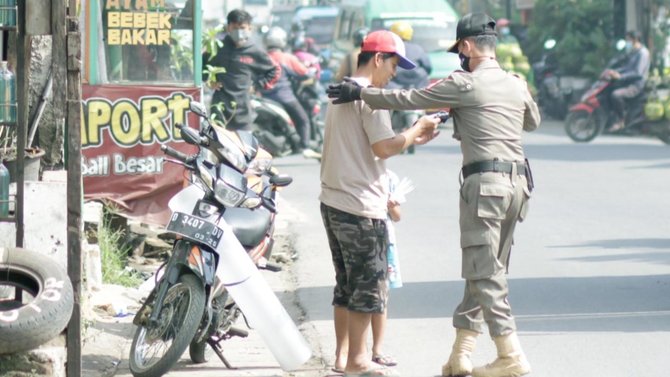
359, 36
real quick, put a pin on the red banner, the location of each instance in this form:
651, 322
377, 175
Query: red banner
122, 129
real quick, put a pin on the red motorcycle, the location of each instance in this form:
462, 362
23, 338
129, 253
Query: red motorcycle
594, 114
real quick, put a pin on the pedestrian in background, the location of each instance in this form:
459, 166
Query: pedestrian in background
245, 64
348, 65
354, 199
490, 108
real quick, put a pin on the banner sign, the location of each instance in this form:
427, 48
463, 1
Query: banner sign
122, 129
138, 22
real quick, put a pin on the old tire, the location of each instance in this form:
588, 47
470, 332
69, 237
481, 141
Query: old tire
582, 126
46, 304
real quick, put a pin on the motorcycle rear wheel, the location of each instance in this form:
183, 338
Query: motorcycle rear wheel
179, 319
582, 126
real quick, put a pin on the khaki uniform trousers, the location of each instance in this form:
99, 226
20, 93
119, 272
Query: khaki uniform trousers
491, 203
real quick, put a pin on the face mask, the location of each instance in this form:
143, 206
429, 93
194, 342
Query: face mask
240, 36
629, 46
465, 62
504, 31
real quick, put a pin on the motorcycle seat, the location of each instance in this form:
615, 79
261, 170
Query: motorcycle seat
249, 225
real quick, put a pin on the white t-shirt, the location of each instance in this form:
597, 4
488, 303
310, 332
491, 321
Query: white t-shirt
353, 179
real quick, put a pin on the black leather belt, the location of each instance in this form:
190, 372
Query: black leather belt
493, 166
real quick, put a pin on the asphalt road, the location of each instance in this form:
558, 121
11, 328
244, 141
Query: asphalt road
589, 276
590, 270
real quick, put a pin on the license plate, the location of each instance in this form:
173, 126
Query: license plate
196, 229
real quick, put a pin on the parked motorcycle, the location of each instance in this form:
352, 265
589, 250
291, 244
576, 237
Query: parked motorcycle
594, 114
225, 231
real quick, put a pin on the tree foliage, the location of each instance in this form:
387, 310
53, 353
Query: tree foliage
583, 32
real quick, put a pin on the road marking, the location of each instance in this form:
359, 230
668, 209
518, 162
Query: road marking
543, 317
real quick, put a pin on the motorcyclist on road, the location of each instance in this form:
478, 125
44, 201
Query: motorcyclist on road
301, 49
411, 78
630, 74
275, 40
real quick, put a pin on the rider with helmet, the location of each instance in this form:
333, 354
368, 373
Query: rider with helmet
630, 74
348, 65
275, 40
302, 47
410, 78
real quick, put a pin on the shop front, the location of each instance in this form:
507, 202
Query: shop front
142, 65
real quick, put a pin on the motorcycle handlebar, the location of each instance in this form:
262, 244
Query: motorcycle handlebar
176, 154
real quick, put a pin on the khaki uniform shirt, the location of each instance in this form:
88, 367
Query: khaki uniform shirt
490, 109
353, 179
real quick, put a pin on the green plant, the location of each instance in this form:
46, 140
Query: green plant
211, 42
181, 56
114, 258
583, 31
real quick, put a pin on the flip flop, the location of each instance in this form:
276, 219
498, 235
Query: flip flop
373, 372
340, 371
385, 360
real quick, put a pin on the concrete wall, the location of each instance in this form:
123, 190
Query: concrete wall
45, 221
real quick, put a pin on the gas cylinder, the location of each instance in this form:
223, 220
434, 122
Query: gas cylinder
4, 191
7, 94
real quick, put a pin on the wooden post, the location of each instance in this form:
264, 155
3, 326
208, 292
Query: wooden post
74, 183
22, 96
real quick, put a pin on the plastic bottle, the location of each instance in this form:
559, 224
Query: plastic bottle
4, 191
7, 94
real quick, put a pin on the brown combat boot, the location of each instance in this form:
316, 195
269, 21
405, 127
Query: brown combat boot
459, 363
511, 361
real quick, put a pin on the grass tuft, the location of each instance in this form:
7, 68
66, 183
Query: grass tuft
114, 255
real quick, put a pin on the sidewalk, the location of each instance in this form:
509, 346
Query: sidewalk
108, 338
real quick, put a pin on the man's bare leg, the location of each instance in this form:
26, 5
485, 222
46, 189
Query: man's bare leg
378, 329
341, 315
358, 360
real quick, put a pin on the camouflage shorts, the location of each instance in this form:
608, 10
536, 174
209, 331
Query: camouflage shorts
358, 247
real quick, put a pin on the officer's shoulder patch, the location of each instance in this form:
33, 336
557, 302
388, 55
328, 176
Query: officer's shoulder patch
462, 79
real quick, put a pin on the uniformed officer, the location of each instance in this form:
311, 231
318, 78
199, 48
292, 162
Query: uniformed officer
490, 108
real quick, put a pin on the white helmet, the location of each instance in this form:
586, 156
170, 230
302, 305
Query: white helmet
275, 38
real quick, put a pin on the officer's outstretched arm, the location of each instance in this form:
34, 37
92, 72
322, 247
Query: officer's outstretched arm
445, 93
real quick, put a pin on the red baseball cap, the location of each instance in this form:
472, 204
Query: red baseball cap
386, 41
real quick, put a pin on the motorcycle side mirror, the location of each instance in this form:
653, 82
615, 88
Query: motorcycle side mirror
549, 44
198, 108
620, 44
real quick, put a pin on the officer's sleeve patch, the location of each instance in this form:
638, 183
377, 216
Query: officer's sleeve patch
462, 81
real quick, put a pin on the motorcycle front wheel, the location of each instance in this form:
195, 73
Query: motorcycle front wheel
582, 126
157, 347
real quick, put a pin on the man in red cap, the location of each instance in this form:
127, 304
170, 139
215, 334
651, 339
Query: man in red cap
491, 108
354, 200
